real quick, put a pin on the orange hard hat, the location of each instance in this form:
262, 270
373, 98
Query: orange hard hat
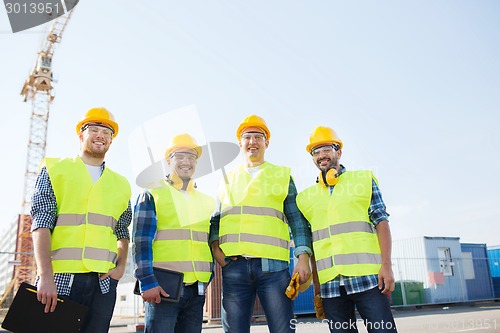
182, 141
98, 116
253, 121
322, 136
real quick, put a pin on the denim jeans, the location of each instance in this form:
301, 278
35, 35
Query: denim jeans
242, 279
85, 290
186, 316
372, 305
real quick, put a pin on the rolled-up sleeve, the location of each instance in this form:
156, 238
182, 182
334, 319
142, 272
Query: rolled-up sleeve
299, 226
43, 203
124, 221
377, 210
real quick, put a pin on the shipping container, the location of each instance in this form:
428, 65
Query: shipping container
494, 259
435, 262
303, 303
477, 273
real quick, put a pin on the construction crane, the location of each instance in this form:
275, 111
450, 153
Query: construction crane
39, 91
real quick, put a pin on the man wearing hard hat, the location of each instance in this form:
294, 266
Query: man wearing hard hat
351, 240
171, 226
80, 217
250, 235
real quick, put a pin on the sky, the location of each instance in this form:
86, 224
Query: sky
411, 87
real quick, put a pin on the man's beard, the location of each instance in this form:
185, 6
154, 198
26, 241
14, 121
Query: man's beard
93, 154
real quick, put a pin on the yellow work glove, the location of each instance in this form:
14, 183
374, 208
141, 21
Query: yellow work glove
318, 307
293, 287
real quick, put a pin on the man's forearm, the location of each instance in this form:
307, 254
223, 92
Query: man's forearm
385, 242
42, 240
121, 260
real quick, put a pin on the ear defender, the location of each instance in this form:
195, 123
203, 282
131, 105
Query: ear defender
178, 184
328, 178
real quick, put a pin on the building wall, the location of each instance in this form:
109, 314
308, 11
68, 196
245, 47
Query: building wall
8, 239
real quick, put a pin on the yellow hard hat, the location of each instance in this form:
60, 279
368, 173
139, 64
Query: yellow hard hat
98, 116
253, 121
182, 141
321, 136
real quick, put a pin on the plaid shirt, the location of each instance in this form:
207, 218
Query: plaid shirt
296, 221
357, 284
44, 215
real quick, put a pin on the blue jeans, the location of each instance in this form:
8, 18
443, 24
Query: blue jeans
242, 279
85, 290
186, 316
372, 305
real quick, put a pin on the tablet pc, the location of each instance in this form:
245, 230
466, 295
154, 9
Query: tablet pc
170, 281
27, 314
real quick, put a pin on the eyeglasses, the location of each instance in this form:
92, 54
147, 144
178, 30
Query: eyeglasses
95, 129
255, 136
326, 149
180, 157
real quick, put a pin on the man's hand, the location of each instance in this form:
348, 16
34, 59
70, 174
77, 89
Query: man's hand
47, 293
303, 268
153, 295
115, 273
218, 254
386, 280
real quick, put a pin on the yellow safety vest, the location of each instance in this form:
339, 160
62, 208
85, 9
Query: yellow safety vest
181, 241
252, 219
344, 240
84, 238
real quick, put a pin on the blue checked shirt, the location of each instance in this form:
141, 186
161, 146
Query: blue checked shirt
357, 284
145, 226
299, 226
44, 215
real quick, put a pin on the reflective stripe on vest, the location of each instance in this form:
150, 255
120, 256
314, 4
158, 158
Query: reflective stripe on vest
181, 241
252, 219
89, 253
348, 259
84, 237
344, 240
358, 226
72, 220
251, 238
263, 211
182, 234
186, 266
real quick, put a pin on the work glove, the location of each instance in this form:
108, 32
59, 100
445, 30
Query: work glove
293, 287
318, 307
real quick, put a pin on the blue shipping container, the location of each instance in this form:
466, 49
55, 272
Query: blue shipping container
304, 303
494, 259
477, 275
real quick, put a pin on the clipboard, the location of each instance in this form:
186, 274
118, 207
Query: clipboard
170, 281
26, 314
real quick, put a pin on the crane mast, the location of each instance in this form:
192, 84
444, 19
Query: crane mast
39, 91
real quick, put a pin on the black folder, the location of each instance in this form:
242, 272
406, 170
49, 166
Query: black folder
26, 314
170, 281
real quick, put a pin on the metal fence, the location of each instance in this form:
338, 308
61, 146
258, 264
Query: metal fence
419, 281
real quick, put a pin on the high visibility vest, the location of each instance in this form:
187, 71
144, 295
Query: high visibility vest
252, 219
183, 225
84, 238
344, 240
